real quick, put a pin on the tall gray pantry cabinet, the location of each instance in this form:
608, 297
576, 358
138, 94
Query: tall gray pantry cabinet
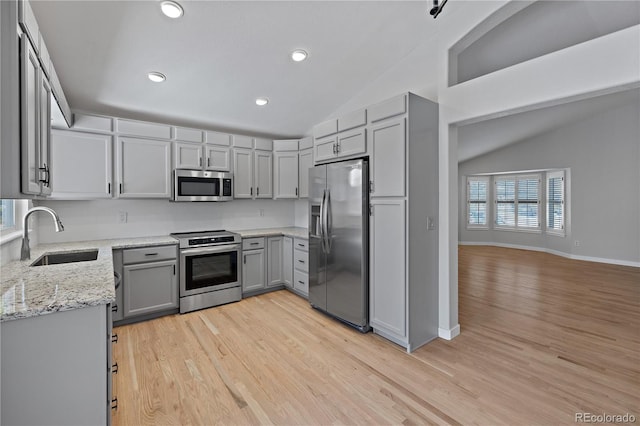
403, 138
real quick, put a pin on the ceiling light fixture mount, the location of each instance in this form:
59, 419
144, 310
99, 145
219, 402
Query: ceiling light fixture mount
171, 9
156, 77
262, 101
299, 55
436, 9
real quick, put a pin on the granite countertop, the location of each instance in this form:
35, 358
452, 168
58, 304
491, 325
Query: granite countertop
292, 231
32, 291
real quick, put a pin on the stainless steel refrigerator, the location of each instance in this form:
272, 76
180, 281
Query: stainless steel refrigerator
339, 241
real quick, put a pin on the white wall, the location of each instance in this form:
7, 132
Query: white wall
99, 219
302, 213
603, 153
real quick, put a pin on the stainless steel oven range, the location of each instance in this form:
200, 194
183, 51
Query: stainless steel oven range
210, 274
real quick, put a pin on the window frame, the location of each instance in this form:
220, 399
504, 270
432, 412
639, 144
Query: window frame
516, 202
20, 207
487, 181
555, 174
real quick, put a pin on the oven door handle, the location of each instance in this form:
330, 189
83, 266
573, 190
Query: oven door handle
206, 250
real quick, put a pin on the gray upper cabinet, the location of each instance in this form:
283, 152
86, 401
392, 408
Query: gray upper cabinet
285, 174
388, 165
242, 173
144, 168
305, 162
87, 179
263, 163
35, 113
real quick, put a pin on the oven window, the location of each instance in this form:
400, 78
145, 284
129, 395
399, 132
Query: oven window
188, 186
211, 269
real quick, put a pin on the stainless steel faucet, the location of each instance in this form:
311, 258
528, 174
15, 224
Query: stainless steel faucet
25, 252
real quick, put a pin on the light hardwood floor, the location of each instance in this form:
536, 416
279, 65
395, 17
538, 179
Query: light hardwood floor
543, 337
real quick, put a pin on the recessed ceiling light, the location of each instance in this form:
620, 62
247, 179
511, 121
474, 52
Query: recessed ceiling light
171, 9
262, 101
156, 77
299, 55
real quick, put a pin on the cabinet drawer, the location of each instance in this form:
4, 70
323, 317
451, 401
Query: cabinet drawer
301, 281
300, 244
149, 254
252, 243
301, 260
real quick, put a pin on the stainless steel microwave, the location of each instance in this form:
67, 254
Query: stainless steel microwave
198, 185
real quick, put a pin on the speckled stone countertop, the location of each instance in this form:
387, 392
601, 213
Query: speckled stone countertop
29, 291
294, 232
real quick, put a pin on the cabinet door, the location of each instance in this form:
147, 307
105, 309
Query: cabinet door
217, 158
263, 174
387, 265
304, 164
44, 128
388, 144
287, 261
187, 155
324, 149
274, 261
352, 143
29, 117
144, 168
86, 179
242, 173
150, 287
285, 174
253, 270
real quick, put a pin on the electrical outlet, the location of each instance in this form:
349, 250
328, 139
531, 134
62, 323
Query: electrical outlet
576, 243
261, 211
122, 217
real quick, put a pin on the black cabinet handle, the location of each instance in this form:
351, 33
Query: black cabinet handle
300, 245
300, 282
257, 191
114, 404
114, 308
251, 191
244, 259
151, 254
254, 244
208, 162
174, 269
114, 368
109, 188
301, 261
296, 192
120, 188
114, 338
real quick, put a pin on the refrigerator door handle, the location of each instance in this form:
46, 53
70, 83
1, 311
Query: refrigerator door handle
322, 225
328, 222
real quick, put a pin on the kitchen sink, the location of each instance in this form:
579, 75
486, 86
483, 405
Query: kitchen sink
66, 257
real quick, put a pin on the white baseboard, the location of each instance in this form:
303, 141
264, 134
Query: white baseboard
449, 334
555, 252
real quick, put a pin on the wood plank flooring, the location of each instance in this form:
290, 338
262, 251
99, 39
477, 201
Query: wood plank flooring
543, 337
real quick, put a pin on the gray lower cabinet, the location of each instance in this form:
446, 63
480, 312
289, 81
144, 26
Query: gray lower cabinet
56, 368
149, 280
253, 276
274, 262
287, 261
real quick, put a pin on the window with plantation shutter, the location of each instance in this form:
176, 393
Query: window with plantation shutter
477, 193
555, 203
517, 200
